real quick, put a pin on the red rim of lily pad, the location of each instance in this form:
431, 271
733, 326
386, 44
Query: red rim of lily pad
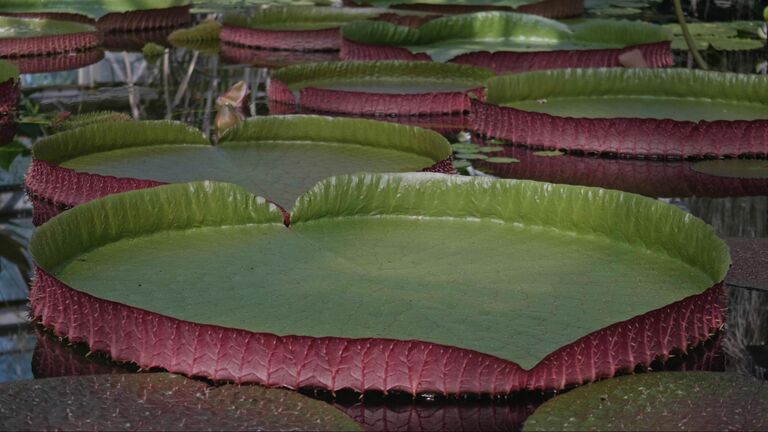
62, 37
54, 188
359, 87
654, 178
537, 109
604, 42
545, 8
151, 339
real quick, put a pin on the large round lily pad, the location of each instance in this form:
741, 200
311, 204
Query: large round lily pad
507, 41
159, 401
664, 401
276, 157
734, 168
547, 8
31, 36
522, 285
654, 178
294, 28
379, 88
106, 15
669, 112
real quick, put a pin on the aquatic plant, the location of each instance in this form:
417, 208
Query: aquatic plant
381, 251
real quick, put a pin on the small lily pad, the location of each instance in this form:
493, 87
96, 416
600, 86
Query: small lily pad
616, 11
659, 401
465, 148
735, 44
501, 160
460, 164
471, 156
490, 149
734, 168
548, 153
679, 43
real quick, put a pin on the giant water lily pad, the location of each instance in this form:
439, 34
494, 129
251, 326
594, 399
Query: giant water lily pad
294, 28
548, 8
106, 15
159, 401
275, 157
32, 36
664, 401
506, 41
229, 292
379, 88
734, 168
671, 112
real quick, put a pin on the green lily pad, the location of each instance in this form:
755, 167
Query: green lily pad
80, 120
490, 149
204, 32
393, 77
470, 156
8, 71
679, 43
91, 8
276, 157
548, 153
512, 4
735, 44
159, 401
616, 11
381, 251
659, 401
460, 164
677, 94
734, 168
721, 30
299, 18
465, 148
445, 38
11, 27
502, 160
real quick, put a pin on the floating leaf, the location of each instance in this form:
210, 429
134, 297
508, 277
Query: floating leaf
465, 148
381, 250
470, 156
616, 11
548, 153
659, 401
490, 149
159, 401
66, 121
735, 168
735, 44
203, 32
152, 51
460, 164
502, 160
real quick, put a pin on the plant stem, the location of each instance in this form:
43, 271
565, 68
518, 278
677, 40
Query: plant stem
688, 38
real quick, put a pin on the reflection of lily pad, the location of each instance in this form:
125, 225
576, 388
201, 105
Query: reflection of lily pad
493, 33
276, 157
159, 401
659, 401
384, 248
736, 168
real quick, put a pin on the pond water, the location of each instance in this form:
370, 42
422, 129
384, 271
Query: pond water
183, 85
